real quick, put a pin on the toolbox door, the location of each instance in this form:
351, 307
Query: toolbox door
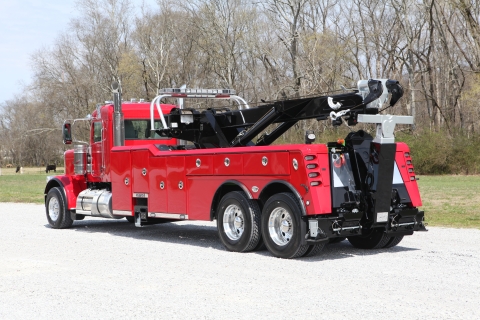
176, 185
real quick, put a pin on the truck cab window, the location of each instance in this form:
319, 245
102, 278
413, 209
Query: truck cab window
141, 129
97, 131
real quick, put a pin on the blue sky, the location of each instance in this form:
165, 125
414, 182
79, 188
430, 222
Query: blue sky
25, 27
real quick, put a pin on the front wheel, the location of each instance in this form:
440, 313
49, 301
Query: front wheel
281, 226
238, 222
57, 214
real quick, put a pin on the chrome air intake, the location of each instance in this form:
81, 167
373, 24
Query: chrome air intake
80, 158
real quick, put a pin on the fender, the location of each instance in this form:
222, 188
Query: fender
268, 191
224, 188
238, 183
71, 186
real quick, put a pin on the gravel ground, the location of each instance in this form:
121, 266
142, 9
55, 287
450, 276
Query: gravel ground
108, 269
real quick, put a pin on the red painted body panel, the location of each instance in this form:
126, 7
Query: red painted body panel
201, 182
234, 160
157, 201
121, 167
408, 177
279, 163
200, 195
176, 194
72, 185
320, 196
205, 167
140, 162
68, 158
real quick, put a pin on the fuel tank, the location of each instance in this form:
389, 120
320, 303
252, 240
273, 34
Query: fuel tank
97, 203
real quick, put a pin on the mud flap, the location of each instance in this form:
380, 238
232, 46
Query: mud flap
141, 216
314, 234
383, 194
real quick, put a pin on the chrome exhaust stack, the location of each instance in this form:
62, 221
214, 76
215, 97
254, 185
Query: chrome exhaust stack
118, 125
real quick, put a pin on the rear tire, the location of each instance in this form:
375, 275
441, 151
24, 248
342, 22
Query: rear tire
55, 205
393, 241
374, 239
315, 249
261, 244
238, 222
281, 229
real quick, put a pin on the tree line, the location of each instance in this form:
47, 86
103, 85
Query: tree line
267, 50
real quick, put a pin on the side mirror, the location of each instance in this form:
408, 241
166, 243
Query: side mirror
67, 133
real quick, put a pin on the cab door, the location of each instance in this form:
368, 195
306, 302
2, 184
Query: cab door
96, 163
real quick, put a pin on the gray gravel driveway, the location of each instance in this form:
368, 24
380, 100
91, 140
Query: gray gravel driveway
108, 269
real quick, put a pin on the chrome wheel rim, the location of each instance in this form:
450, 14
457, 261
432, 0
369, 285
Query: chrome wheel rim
233, 222
53, 209
280, 226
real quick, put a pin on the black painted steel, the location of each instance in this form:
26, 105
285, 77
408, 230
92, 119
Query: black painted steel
213, 128
386, 163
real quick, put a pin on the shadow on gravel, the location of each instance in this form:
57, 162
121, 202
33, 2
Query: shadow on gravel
177, 232
207, 237
344, 249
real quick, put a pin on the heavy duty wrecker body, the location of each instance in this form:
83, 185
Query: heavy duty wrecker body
291, 198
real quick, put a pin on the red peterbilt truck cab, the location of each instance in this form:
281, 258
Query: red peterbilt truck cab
155, 163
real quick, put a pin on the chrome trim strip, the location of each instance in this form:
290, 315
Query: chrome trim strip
85, 213
168, 215
122, 213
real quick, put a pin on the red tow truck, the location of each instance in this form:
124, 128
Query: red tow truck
156, 163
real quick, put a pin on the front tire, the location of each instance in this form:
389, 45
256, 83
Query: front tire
57, 215
238, 222
281, 226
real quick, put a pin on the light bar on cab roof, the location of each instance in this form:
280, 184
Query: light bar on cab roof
198, 93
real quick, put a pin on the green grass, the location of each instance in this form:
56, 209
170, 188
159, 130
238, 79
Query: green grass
450, 201
22, 188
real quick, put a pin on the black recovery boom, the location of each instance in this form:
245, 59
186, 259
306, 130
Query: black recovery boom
223, 127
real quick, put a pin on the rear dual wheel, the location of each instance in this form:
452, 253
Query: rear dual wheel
393, 241
375, 239
238, 222
281, 227
314, 249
